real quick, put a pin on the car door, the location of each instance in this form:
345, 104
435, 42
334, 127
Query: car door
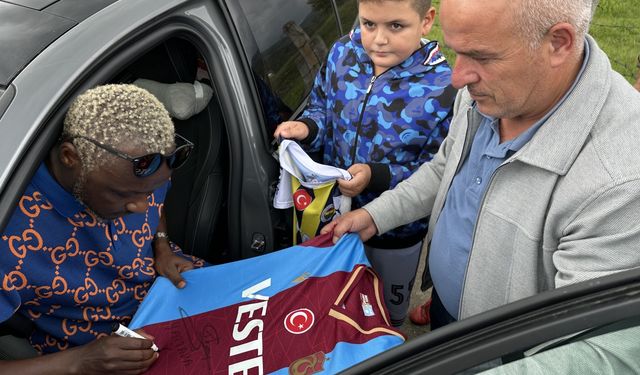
285, 42
593, 323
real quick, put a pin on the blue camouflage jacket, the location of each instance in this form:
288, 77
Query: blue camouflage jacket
393, 122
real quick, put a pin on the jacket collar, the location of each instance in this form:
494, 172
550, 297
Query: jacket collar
422, 60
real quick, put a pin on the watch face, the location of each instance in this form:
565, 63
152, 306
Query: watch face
160, 235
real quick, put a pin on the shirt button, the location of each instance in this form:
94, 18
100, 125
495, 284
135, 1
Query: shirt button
478, 180
115, 237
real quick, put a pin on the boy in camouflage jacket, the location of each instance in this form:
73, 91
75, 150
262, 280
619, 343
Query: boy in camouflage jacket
380, 107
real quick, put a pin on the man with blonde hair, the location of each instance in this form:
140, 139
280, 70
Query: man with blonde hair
537, 185
88, 236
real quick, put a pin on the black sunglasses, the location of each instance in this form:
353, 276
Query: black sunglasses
147, 165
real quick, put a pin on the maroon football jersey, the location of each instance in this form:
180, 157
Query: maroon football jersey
319, 321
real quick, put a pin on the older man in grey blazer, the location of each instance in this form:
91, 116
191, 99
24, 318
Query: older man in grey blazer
538, 183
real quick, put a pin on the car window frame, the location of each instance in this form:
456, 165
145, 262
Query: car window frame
6, 96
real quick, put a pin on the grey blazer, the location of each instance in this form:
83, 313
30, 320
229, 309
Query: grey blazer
563, 209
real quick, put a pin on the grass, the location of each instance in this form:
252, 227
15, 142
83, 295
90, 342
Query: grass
615, 26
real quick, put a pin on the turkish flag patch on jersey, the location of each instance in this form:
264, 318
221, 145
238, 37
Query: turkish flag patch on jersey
302, 199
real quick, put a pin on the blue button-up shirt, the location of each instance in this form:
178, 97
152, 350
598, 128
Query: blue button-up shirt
453, 234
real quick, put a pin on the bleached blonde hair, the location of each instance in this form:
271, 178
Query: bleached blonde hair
533, 18
115, 115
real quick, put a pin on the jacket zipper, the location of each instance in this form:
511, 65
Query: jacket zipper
364, 105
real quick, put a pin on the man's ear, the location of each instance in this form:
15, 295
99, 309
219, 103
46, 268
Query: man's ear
561, 43
68, 155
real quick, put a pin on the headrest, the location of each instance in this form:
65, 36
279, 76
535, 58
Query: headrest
181, 99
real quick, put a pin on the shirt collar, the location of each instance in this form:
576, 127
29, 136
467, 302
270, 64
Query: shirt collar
61, 200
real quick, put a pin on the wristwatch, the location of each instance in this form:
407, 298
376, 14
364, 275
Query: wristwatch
160, 235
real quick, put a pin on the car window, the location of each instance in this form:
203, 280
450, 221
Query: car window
348, 10
609, 349
293, 38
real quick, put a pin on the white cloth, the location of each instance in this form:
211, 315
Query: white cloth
181, 99
295, 162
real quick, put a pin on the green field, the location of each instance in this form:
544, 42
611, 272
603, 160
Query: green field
616, 28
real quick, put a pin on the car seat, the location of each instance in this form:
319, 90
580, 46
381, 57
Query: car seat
199, 188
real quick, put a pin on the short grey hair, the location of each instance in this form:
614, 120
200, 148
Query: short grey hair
533, 18
114, 115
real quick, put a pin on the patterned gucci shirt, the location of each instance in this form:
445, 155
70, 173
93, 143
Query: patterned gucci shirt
71, 274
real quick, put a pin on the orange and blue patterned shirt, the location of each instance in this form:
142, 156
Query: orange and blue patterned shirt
70, 273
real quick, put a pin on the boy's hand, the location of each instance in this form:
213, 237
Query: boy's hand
292, 130
170, 265
361, 177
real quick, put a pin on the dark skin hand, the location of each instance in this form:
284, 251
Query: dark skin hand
106, 355
167, 263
